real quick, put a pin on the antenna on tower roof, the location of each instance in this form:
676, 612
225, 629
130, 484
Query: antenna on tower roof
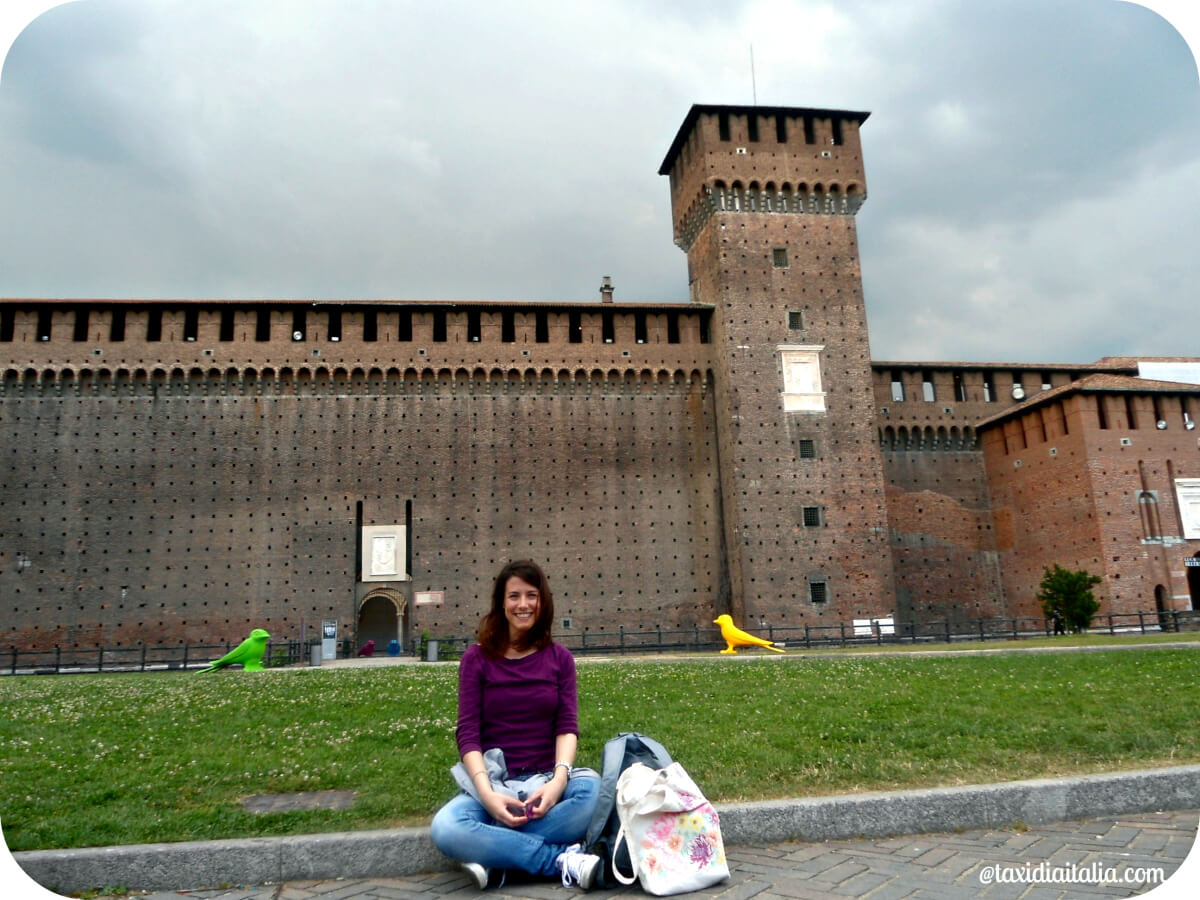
753, 84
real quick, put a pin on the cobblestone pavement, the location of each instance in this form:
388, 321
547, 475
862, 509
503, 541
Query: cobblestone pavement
1019, 863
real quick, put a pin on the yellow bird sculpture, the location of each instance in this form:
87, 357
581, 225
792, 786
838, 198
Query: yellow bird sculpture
735, 637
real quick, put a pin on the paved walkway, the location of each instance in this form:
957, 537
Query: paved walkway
1030, 864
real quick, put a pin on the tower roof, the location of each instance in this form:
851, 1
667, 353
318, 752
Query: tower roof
794, 112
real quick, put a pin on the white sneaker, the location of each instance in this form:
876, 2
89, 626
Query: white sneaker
478, 874
577, 867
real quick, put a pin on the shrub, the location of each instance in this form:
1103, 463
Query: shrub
1069, 594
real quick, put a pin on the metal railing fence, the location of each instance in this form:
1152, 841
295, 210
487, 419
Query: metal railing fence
624, 641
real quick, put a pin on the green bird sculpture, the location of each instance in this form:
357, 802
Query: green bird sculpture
248, 653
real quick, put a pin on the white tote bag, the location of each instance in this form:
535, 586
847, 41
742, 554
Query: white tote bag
672, 833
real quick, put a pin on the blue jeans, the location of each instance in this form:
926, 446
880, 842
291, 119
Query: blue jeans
464, 830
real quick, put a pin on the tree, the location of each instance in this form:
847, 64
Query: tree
1069, 594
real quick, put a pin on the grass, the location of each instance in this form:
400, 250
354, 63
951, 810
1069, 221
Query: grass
1086, 639
109, 759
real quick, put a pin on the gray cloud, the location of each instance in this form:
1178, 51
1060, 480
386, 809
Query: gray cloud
1033, 166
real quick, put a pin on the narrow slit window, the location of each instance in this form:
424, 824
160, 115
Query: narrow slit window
154, 324
370, 325
575, 327
334, 324
639, 327
262, 324
225, 334
116, 325
299, 324
8, 324
404, 332
191, 324
607, 330
439, 326
673, 328
928, 392
541, 327
474, 328
81, 324
508, 326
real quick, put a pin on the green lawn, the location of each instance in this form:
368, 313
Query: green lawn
109, 759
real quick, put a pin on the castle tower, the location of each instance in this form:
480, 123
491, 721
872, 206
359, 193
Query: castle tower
763, 203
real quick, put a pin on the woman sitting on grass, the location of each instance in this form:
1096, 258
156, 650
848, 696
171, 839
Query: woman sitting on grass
516, 692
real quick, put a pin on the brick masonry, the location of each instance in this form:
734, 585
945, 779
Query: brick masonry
182, 471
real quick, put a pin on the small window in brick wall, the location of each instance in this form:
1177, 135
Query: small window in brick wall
81, 324
796, 319
779, 257
154, 325
806, 448
812, 517
116, 325
818, 592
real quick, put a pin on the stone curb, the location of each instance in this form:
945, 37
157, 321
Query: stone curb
409, 851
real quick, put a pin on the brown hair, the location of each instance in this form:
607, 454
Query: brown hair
493, 627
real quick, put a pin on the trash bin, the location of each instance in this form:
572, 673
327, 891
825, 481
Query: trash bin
314, 651
431, 650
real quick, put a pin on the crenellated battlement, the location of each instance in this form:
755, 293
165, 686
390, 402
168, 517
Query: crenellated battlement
787, 160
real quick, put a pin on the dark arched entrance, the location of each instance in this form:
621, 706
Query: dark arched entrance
380, 618
1193, 579
1160, 603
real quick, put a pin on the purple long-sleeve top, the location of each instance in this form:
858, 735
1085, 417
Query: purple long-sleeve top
519, 705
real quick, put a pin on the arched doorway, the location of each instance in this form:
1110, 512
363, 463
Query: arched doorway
381, 618
1193, 579
1160, 603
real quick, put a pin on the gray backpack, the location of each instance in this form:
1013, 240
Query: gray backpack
620, 753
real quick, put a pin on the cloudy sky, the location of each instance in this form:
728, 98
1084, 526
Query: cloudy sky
1033, 165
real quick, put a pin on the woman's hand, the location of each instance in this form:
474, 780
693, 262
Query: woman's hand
543, 799
503, 809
